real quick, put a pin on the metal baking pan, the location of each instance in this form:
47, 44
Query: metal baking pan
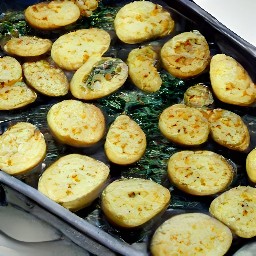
90, 222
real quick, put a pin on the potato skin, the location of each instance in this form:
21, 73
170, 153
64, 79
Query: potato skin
230, 81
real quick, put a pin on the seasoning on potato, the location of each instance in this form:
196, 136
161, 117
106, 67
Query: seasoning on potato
186, 55
141, 21
230, 81
200, 172
236, 209
143, 70
184, 125
98, 77
130, 203
74, 181
125, 141
22, 147
191, 234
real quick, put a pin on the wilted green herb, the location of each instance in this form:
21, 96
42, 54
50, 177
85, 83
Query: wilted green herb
13, 24
145, 109
106, 68
103, 17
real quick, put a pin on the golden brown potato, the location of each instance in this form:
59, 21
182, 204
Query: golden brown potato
75, 123
74, 181
191, 234
130, 203
200, 172
98, 77
230, 81
10, 71
184, 125
22, 147
46, 78
251, 165
186, 54
16, 96
143, 70
236, 209
70, 51
52, 15
125, 142
28, 46
140, 21
229, 130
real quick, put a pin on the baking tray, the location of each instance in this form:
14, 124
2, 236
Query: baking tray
90, 221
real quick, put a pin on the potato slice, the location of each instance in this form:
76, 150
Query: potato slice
191, 234
186, 54
141, 21
75, 123
236, 209
130, 203
142, 69
98, 77
86, 6
229, 130
230, 81
52, 15
10, 71
74, 181
16, 96
200, 172
27, 46
22, 147
70, 51
184, 125
46, 78
251, 165
125, 141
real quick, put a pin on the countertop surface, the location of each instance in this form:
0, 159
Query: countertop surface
238, 16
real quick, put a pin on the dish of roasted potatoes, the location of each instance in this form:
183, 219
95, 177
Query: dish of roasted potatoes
133, 117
